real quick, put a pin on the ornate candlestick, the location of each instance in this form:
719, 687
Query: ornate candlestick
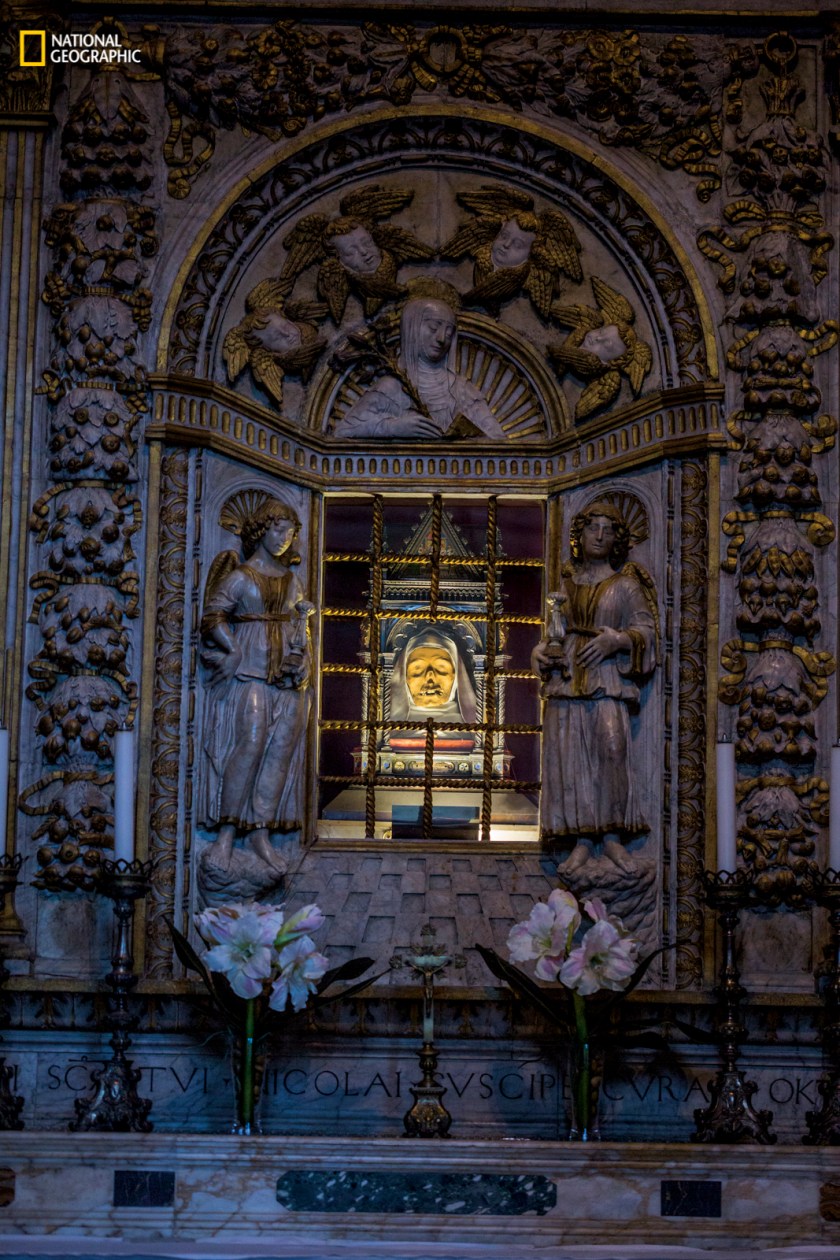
427, 1117
11, 1104
116, 1106
730, 1116
824, 1123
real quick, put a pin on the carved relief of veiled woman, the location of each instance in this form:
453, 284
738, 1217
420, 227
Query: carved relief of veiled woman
427, 362
256, 649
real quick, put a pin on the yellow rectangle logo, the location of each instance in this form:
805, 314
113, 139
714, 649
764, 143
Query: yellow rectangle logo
41, 36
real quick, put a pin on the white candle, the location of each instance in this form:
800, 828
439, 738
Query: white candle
124, 794
428, 1029
834, 810
4, 784
726, 830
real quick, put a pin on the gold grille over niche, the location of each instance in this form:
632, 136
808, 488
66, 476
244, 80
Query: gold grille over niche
439, 595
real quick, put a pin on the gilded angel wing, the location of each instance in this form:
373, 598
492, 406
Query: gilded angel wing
334, 287
616, 309
498, 286
540, 286
303, 360
496, 201
571, 358
583, 317
470, 238
600, 393
305, 245
401, 244
640, 362
557, 248
236, 352
268, 373
222, 565
269, 294
375, 202
307, 312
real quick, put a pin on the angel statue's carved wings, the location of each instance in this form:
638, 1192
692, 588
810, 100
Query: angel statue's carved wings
355, 252
514, 248
601, 348
277, 337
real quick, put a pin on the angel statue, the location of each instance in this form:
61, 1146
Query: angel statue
601, 347
514, 249
254, 631
355, 252
276, 337
601, 646
419, 393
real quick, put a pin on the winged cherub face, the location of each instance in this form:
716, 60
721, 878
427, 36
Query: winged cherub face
280, 334
606, 343
358, 251
512, 246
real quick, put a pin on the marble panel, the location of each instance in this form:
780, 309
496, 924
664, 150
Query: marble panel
455, 1194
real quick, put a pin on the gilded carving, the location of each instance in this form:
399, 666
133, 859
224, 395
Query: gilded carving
274, 339
514, 249
169, 745
773, 264
87, 591
601, 348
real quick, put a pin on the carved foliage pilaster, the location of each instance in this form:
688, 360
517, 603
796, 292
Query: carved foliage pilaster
84, 523
772, 252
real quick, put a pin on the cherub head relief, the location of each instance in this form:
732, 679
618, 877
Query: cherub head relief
276, 337
601, 347
356, 252
514, 249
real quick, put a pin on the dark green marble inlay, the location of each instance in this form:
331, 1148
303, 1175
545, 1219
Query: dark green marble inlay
445, 1194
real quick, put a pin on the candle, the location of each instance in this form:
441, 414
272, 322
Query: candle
124, 795
834, 810
726, 831
428, 1029
4, 785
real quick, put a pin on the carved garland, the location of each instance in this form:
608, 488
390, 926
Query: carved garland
84, 523
772, 251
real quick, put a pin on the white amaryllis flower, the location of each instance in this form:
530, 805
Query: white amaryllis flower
244, 949
605, 959
301, 966
546, 934
215, 922
302, 922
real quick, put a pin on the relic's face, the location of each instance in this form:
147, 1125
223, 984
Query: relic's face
598, 537
358, 251
280, 334
279, 537
512, 246
430, 674
437, 328
604, 342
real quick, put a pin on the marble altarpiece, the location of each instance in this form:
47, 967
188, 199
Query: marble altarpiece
374, 372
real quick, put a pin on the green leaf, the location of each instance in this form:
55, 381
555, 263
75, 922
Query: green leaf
525, 987
230, 1007
345, 971
321, 999
702, 1036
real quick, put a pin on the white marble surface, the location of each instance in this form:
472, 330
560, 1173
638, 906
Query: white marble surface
225, 1199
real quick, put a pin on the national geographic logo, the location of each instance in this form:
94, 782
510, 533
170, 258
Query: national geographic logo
66, 49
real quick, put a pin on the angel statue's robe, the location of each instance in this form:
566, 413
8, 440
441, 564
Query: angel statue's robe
255, 725
588, 784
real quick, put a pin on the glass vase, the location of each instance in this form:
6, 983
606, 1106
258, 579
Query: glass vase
584, 1083
247, 1065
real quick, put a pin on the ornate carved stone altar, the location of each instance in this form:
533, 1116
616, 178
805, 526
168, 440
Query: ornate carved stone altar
422, 435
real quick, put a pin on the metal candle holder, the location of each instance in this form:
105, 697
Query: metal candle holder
730, 1116
824, 1123
427, 1117
11, 1104
115, 1106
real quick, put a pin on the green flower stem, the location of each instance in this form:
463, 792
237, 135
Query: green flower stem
582, 1084
247, 1094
